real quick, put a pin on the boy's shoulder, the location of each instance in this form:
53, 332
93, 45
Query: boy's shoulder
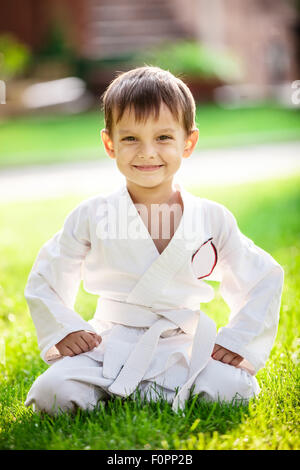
211, 208
92, 203
85, 212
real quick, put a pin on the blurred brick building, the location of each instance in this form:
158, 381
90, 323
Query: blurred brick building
263, 33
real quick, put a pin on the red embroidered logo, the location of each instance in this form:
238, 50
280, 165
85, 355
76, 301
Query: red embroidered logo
204, 259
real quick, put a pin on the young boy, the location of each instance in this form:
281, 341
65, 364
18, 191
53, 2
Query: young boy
147, 250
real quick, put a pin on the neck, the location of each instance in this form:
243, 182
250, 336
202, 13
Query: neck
163, 194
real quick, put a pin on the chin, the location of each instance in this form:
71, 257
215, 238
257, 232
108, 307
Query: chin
147, 179
149, 184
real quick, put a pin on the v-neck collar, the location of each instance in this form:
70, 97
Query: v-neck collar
163, 266
179, 230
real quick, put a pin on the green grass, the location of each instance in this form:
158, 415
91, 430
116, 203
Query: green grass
50, 139
268, 212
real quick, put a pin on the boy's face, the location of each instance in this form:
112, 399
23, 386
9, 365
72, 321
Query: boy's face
149, 153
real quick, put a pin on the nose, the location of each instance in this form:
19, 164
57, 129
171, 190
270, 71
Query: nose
147, 151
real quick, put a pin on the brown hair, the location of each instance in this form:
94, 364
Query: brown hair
143, 89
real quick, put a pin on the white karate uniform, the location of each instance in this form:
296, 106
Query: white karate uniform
154, 337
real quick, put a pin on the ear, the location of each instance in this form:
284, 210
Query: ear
190, 143
108, 143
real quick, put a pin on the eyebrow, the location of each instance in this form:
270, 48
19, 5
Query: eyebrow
128, 131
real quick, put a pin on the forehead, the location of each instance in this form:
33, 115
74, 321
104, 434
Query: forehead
165, 120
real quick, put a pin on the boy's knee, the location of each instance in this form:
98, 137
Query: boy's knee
52, 392
48, 393
225, 382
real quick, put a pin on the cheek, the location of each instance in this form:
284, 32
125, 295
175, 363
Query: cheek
124, 155
172, 153
174, 158
123, 165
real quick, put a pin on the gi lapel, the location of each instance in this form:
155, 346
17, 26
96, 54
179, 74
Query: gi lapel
167, 264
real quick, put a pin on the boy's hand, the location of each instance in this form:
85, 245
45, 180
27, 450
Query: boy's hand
78, 342
224, 355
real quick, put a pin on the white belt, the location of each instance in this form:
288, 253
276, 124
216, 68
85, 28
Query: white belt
158, 322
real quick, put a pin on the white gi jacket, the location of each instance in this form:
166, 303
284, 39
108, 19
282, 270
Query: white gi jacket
105, 243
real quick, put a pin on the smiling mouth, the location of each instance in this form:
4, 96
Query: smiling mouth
147, 167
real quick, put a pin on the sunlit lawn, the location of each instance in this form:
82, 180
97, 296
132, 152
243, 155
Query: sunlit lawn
49, 139
269, 214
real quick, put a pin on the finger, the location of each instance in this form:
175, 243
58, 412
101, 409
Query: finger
66, 345
77, 346
217, 347
71, 350
82, 344
74, 348
86, 341
220, 354
214, 351
96, 337
71, 336
90, 341
62, 349
66, 351
227, 358
72, 344
236, 361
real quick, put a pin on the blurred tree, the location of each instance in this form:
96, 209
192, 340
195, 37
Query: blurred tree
56, 58
15, 57
55, 44
192, 59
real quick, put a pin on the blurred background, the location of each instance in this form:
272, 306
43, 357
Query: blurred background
239, 58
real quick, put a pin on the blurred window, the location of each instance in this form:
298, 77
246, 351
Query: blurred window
277, 60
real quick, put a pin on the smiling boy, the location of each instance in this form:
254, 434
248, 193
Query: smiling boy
148, 331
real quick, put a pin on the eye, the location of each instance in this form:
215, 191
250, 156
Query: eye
130, 138
165, 137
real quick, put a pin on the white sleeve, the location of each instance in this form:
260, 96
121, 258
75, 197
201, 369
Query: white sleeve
53, 283
251, 285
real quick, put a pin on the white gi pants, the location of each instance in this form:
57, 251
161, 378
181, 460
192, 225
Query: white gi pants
78, 382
